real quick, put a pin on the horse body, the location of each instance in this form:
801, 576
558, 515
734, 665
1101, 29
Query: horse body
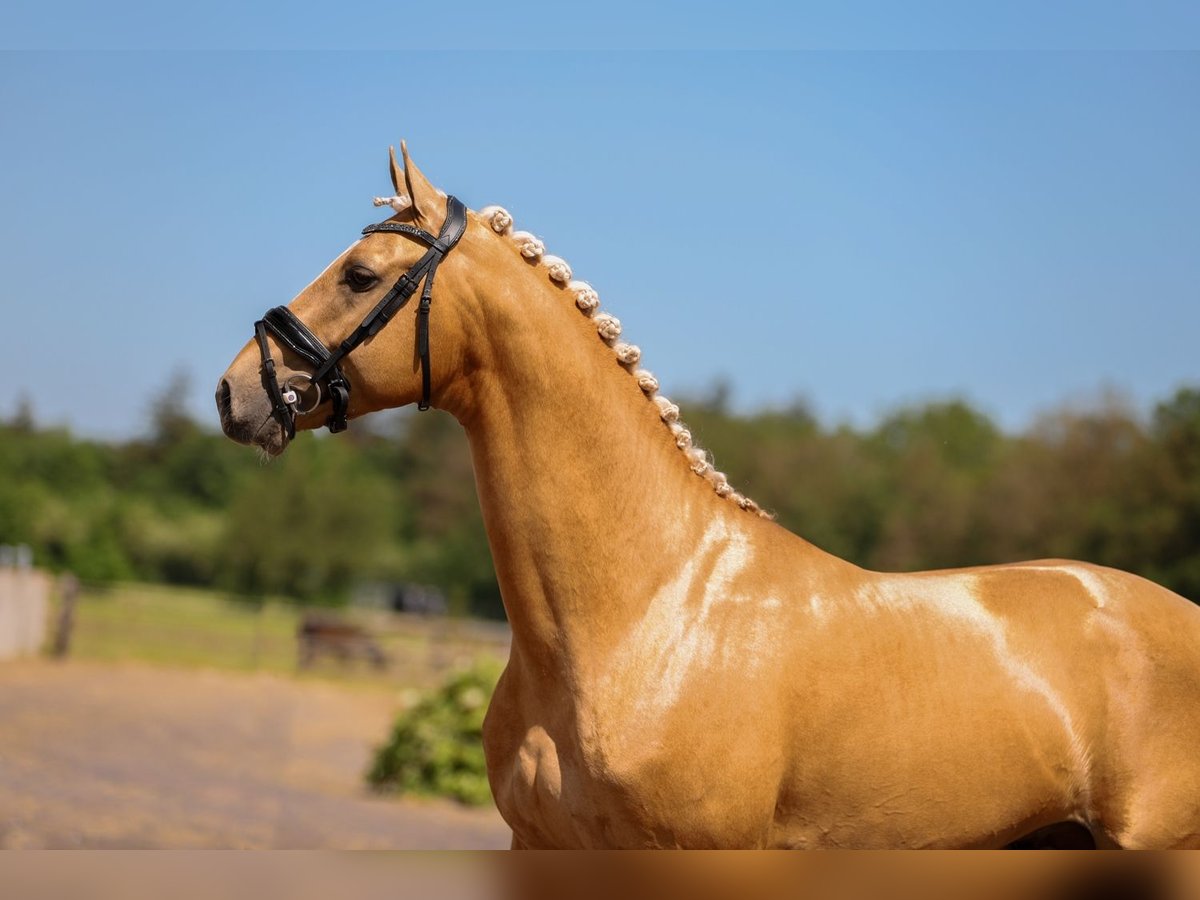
817, 705
687, 673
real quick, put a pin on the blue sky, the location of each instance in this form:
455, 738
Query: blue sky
861, 209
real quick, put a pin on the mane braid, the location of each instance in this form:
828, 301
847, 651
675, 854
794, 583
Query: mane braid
608, 327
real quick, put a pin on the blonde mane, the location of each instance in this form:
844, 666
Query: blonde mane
608, 327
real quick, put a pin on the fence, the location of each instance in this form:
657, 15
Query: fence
24, 604
183, 626
179, 626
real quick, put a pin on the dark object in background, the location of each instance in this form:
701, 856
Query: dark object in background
68, 596
422, 599
345, 641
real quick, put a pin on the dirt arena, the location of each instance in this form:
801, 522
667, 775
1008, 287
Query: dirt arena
133, 756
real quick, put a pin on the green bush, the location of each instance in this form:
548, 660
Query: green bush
436, 746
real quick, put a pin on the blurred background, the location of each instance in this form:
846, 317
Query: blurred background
927, 287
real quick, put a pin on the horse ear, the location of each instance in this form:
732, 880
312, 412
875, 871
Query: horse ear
397, 172
424, 195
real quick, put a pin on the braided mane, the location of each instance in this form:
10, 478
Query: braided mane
608, 327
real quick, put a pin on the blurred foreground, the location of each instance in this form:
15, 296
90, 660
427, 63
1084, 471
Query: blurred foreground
180, 719
977, 875
104, 755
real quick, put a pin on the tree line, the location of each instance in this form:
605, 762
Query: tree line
393, 500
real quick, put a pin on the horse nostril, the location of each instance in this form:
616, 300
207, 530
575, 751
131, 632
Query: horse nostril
224, 400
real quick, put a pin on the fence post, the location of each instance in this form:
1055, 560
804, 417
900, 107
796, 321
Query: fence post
68, 595
23, 601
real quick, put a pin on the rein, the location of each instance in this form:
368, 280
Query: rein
328, 377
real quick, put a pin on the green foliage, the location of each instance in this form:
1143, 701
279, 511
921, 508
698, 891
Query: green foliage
1174, 472
939, 485
394, 499
441, 527
436, 746
307, 526
184, 505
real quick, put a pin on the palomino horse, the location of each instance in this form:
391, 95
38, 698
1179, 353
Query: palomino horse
684, 671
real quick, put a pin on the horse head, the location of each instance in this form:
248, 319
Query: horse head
327, 356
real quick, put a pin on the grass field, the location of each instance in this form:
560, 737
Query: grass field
197, 628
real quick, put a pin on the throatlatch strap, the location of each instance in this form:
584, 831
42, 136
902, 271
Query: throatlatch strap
423, 342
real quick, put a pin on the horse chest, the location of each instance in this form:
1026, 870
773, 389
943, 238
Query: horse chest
590, 779
536, 779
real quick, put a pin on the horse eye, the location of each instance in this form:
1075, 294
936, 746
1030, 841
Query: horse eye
359, 279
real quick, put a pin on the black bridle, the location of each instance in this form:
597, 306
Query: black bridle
327, 377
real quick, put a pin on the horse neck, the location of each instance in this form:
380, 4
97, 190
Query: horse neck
588, 503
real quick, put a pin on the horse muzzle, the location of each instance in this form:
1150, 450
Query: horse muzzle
249, 419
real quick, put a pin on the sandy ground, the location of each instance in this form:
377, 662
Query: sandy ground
129, 756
